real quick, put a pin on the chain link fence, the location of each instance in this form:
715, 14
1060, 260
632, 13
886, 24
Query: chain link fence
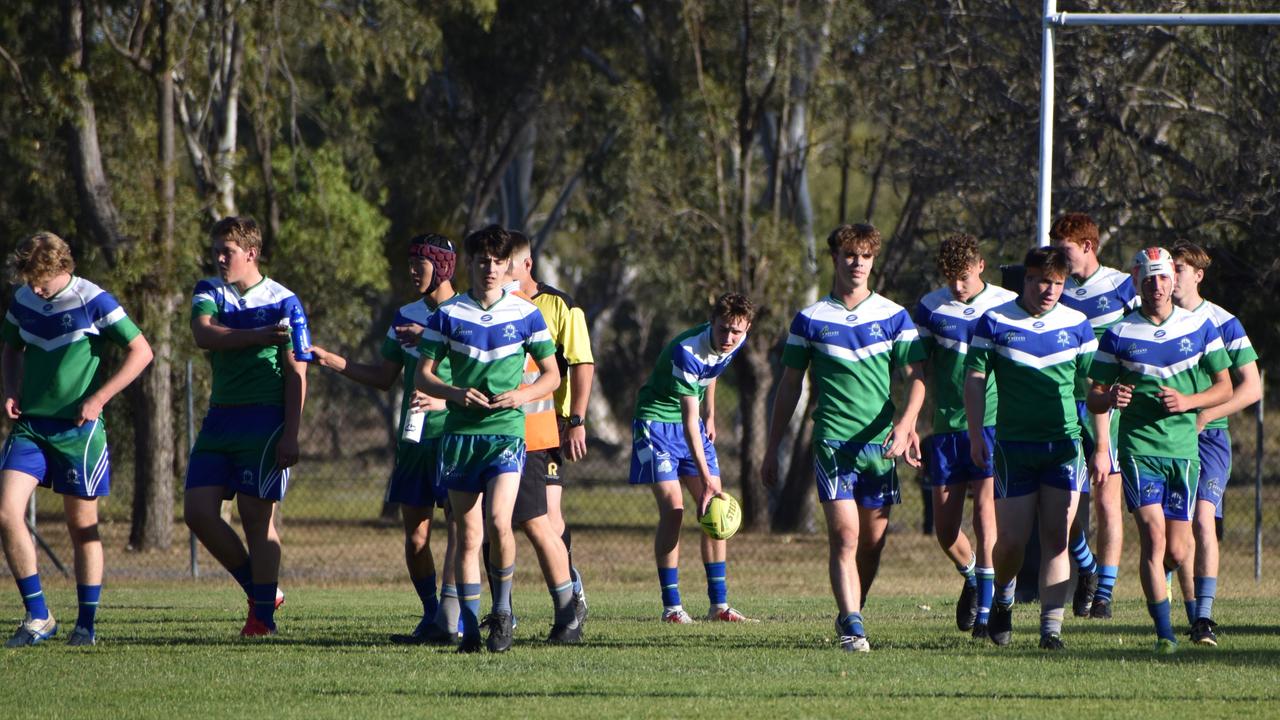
336, 528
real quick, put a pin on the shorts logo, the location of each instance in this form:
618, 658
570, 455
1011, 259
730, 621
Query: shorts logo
1176, 501
73, 477
664, 464
969, 311
553, 471
246, 476
486, 317
1151, 491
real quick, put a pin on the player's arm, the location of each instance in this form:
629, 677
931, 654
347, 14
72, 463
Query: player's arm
210, 335
137, 356
381, 376
547, 382
1100, 400
784, 406
975, 413
11, 359
690, 419
1245, 393
295, 394
581, 378
710, 422
1216, 394
428, 382
904, 440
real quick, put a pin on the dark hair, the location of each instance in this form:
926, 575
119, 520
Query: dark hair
854, 237
957, 254
733, 305
1047, 260
493, 241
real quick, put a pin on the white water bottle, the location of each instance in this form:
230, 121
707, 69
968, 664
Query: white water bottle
413, 423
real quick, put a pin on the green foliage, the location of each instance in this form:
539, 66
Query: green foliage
330, 247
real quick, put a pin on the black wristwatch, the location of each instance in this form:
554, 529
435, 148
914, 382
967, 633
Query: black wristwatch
576, 421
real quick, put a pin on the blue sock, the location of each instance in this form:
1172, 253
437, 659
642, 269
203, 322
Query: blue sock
501, 580
264, 603
1206, 590
1083, 556
986, 591
244, 576
1160, 614
33, 597
669, 578
577, 580
88, 595
1004, 593
969, 573
851, 624
1190, 607
1106, 582
426, 588
717, 591
469, 597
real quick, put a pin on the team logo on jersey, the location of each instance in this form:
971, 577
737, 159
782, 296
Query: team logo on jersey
48, 307
73, 476
825, 332
67, 322
260, 314
486, 317
1103, 302
875, 331
850, 317
242, 303
1081, 292
1064, 337
1184, 346
509, 332
1037, 324
1135, 350
969, 311
1161, 333
1012, 337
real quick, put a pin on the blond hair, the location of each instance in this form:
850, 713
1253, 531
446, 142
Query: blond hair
40, 257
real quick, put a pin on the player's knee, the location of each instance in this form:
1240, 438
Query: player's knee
83, 534
843, 542
672, 515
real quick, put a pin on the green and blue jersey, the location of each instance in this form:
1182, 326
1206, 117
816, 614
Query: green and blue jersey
250, 375
685, 368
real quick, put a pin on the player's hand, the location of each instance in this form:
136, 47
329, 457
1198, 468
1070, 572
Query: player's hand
898, 442
471, 398
287, 452
424, 402
11, 408
1099, 468
913, 455
408, 335
324, 358
710, 488
1120, 395
509, 399
575, 444
709, 426
1174, 401
89, 411
769, 469
272, 335
978, 451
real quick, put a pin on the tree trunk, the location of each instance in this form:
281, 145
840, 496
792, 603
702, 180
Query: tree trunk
755, 377
152, 394
794, 509
99, 212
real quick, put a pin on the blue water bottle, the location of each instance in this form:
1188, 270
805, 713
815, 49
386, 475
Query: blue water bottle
300, 335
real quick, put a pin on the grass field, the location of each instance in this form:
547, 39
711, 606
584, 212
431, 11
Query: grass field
167, 651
